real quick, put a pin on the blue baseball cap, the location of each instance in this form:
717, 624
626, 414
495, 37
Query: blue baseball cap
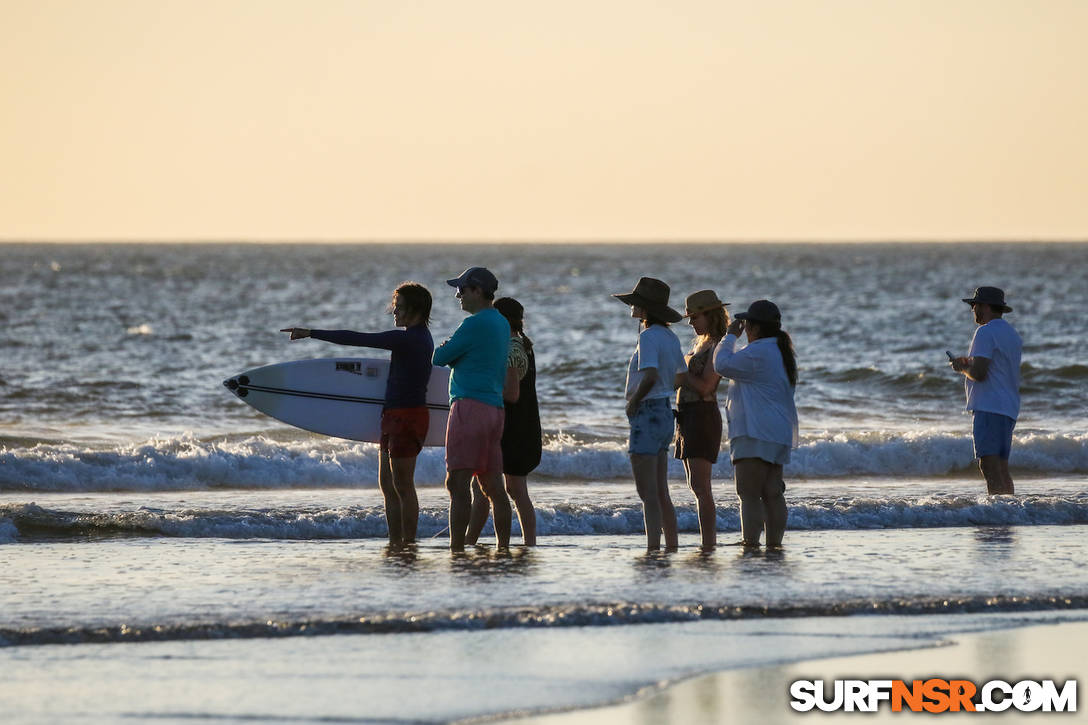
475, 277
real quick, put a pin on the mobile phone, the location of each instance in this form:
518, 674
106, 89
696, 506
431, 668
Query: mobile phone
951, 357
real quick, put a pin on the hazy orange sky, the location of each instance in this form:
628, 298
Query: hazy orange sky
566, 119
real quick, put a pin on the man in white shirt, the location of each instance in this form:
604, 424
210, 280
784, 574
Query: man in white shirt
992, 372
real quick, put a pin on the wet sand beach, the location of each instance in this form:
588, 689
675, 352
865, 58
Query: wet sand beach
761, 694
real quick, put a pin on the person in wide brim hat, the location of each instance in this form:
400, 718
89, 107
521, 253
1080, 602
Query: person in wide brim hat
992, 296
651, 376
991, 371
652, 295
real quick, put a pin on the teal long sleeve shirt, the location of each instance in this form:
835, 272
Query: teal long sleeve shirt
477, 352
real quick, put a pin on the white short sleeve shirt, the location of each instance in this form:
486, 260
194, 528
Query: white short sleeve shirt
658, 347
1000, 391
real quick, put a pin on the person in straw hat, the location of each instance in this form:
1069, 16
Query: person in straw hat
762, 417
991, 372
698, 418
651, 376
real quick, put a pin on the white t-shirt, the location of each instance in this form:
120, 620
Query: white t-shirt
1000, 391
658, 347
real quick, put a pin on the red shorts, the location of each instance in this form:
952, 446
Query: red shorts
404, 430
474, 437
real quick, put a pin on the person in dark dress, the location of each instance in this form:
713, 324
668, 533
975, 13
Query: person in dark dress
521, 437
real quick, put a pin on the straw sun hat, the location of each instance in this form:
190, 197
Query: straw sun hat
702, 301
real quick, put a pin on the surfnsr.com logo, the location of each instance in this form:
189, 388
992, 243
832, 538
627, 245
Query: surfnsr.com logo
934, 695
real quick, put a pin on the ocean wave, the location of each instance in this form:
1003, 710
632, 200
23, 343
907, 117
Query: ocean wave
1075, 373
920, 381
261, 462
550, 616
937, 380
9, 532
30, 521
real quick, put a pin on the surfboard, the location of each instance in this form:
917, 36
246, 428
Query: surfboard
339, 397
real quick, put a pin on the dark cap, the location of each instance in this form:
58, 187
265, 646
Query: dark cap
989, 296
761, 311
475, 277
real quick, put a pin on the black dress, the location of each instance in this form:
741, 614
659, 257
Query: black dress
521, 435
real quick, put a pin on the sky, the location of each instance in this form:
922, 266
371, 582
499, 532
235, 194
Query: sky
514, 120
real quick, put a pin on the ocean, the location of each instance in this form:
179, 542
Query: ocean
142, 505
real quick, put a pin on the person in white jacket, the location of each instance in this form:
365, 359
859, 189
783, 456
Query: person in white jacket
761, 416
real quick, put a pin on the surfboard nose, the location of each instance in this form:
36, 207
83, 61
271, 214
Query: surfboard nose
238, 385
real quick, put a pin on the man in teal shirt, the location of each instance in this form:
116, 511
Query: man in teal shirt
477, 353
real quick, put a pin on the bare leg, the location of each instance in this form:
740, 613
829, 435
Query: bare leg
751, 475
518, 488
775, 512
991, 471
458, 483
1009, 488
481, 509
668, 513
501, 514
699, 474
644, 468
404, 481
393, 516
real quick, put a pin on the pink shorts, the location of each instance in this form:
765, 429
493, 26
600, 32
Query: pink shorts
474, 437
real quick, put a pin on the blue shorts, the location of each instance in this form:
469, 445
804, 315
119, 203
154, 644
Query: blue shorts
993, 434
651, 427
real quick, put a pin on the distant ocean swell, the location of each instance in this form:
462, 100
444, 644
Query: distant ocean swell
29, 521
261, 462
928, 381
569, 615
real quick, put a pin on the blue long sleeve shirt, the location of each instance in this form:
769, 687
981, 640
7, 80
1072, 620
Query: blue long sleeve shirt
409, 363
477, 353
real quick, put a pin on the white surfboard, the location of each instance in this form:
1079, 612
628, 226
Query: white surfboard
340, 397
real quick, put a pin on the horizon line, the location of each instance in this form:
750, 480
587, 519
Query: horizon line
529, 240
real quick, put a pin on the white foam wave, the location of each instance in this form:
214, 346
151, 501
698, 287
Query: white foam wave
186, 462
614, 519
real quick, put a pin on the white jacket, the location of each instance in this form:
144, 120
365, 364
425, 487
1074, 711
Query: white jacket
760, 399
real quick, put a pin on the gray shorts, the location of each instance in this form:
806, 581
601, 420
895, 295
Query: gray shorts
745, 447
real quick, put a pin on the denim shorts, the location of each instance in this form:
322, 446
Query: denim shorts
651, 427
993, 434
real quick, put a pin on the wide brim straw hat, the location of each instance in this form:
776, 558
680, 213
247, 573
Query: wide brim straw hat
702, 301
989, 296
651, 295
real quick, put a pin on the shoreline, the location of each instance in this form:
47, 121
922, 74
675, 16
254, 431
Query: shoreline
1029, 651
651, 673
